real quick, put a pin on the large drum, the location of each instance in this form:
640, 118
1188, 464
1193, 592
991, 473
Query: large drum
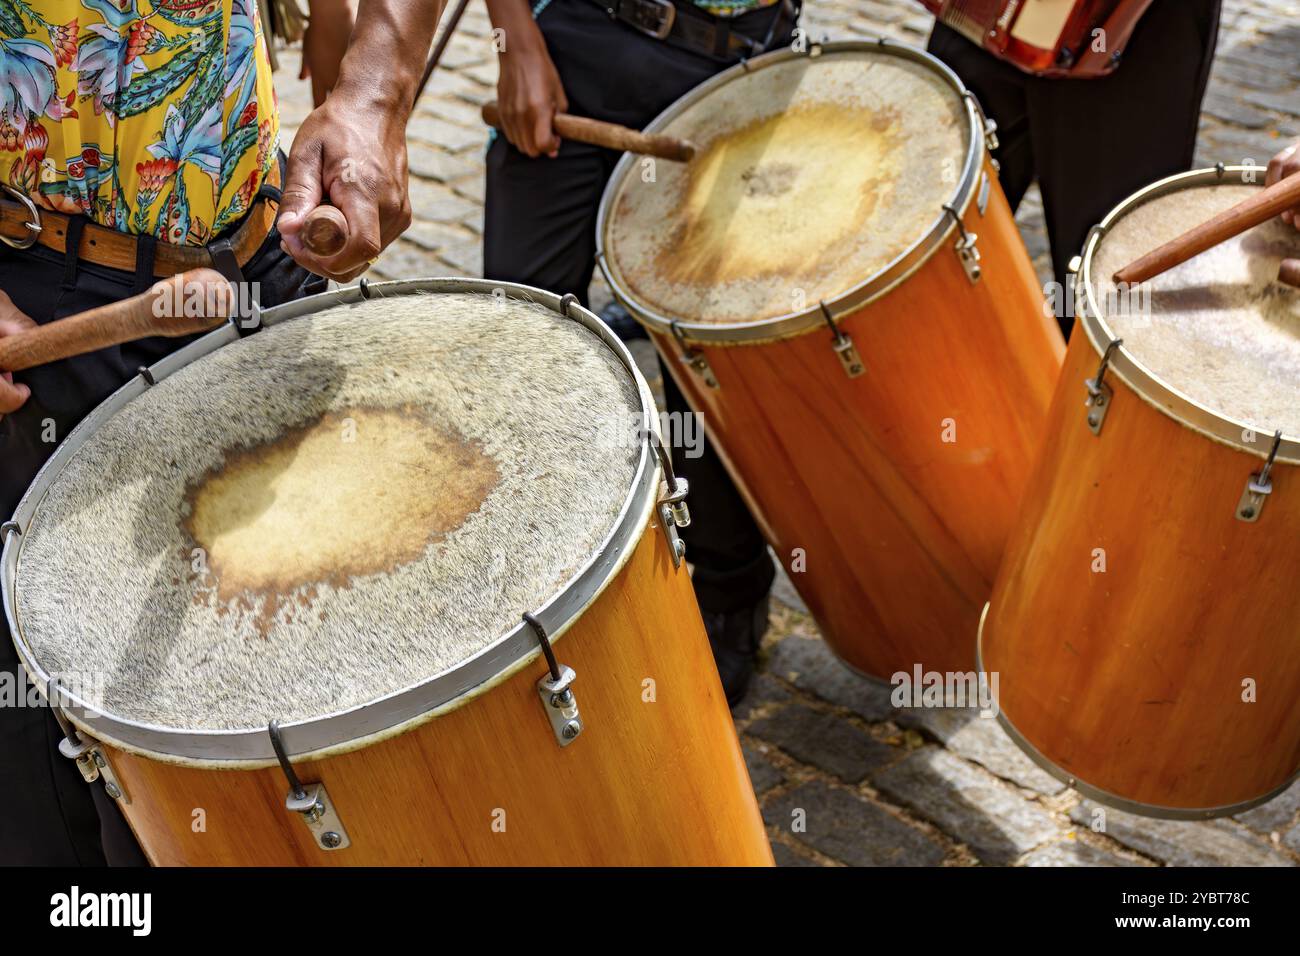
1146, 620
839, 287
393, 581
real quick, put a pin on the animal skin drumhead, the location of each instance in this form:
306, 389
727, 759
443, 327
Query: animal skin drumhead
811, 175
329, 511
1220, 327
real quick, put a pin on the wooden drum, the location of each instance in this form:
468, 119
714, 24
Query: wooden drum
1146, 621
838, 286
394, 580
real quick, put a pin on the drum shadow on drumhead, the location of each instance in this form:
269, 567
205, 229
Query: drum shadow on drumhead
1277, 303
300, 393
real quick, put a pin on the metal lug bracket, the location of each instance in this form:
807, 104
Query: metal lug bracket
93, 764
556, 690
561, 706
843, 346
1258, 486
694, 359
674, 513
86, 752
1100, 393
310, 801
967, 250
313, 804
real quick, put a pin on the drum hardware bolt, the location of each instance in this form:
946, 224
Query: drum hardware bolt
1220, 169
556, 690
567, 303
91, 762
843, 346
146, 374
1074, 265
694, 358
310, 801
89, 772
84, 752
967, 250
990, 125
1259, 486
673, 511
363, 286
8, 528
1099, 391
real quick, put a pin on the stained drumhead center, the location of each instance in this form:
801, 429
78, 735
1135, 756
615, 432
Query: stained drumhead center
355, 492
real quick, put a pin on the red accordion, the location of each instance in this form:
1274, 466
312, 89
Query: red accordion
1081, 39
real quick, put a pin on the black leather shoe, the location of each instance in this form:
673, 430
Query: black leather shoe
624, 326
735, 637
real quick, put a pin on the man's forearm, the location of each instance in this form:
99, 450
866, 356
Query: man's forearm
515, 19
390, 44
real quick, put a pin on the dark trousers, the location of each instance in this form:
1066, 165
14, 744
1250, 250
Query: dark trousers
1092, 143
48, 814
540, 229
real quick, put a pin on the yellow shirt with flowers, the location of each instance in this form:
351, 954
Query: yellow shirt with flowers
152, 117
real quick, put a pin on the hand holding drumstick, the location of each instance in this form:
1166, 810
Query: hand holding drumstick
184, 304
1281, 166
1279, 197
531, 106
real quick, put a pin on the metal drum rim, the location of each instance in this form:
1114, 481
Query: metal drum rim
401, 710
884, 280
1144, 381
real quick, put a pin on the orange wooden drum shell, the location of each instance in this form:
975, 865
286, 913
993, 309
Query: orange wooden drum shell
658, 783
902, 531
1131, 679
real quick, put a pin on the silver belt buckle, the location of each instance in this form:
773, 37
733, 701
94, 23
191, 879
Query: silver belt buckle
33, 225
666, 21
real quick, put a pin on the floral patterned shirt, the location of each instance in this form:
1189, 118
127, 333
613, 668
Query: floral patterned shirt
149, 116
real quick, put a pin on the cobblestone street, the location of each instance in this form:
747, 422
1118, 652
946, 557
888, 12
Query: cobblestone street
876, 785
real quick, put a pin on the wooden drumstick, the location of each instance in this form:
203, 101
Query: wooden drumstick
609, 135
162, 310
1259, 208
325, 231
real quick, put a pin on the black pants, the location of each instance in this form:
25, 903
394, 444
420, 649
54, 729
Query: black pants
540, 229
47, 816
1092, 143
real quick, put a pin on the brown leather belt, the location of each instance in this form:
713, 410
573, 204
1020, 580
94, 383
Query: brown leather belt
23, 224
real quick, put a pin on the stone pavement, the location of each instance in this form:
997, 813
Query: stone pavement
843, 778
